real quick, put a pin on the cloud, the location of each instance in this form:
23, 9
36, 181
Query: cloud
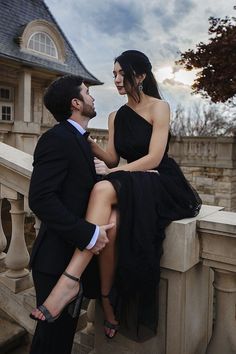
99, 30
170, 16
173, 82
117, 19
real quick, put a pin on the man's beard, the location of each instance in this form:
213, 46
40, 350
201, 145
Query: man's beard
88, 111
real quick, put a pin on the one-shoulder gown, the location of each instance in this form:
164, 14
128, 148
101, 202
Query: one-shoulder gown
147, 203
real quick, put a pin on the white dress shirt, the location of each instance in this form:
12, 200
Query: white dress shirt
96, 232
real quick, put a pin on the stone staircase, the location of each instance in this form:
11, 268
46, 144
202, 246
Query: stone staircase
14, 339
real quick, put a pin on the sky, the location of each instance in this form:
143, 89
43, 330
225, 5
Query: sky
100, 30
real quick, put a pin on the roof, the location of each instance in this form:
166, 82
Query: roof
15, 15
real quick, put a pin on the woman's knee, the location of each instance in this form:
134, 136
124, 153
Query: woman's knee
104, 189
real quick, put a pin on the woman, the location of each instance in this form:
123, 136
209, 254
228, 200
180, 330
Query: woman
141, 197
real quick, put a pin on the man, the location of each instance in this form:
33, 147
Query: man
62, 178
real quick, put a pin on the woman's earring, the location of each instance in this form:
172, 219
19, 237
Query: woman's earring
140, 86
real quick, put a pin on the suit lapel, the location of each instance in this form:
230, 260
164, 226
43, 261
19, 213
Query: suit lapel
84, 145
87, 151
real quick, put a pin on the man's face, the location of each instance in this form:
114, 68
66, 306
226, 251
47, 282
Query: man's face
88, 109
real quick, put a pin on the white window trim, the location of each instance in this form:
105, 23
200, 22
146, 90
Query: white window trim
38, 51
7, 104
43, 26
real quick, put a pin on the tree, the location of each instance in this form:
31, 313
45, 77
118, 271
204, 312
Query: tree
216, 60
205, 120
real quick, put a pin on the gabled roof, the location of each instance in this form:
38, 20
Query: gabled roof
15, 15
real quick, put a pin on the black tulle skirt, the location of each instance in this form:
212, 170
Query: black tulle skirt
147, 203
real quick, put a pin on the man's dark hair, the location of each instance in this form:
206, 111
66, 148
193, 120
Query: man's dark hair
58, 96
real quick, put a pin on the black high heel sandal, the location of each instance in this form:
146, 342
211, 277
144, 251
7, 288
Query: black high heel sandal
108, 324
73, 308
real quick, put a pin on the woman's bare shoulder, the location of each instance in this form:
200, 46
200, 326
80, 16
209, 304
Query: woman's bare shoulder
156, 102
112, 115
160, 110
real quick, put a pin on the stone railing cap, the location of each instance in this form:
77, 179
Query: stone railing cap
221, 221
16, 159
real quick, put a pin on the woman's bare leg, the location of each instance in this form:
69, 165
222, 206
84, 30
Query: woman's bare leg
66, 288
102, 197
107, 264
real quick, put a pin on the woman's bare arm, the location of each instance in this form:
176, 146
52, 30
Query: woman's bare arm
109, 156
160, 121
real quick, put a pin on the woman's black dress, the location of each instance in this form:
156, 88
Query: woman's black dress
147, 203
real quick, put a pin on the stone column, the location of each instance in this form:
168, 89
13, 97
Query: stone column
223, 339
17, 277
25, 96
90, 317
3, 242
217, 234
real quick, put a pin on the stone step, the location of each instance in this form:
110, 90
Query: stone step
83, 342
11, 334
22, 349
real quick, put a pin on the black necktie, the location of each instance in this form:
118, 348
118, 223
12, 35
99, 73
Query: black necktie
86, 135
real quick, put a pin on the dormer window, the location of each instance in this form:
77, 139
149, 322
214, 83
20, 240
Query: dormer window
40, 37
42, 43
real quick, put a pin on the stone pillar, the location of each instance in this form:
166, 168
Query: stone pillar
223, 339
217, 234
90, 317
25, 96
17, 277
3, 242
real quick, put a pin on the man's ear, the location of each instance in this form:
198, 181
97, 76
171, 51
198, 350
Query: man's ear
75, 104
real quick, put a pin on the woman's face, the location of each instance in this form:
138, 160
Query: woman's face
118, 74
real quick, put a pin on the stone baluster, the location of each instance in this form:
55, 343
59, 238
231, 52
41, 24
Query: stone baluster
16, 277
90, 317
217, 233
3, 242
223, 339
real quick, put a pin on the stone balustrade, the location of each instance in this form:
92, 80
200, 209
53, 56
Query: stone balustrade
199, 258
15, 172
209, 163
217, 234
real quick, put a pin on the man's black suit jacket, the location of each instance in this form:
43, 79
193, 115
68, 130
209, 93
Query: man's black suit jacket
61, 182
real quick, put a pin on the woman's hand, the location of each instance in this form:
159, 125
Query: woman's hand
100, 167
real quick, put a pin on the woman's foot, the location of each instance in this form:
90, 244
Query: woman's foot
63, 293
111, 325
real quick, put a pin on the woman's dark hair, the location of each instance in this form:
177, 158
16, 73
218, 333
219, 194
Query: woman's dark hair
134, 62
58, 96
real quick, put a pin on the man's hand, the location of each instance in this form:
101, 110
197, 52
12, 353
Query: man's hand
102, 239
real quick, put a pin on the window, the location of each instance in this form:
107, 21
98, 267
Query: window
42, 43
6, 93
40, 37
6, 111
6, 103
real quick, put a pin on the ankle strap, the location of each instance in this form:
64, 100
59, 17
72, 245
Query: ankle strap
71, 276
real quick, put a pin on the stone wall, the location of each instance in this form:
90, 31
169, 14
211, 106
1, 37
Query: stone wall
210, 166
